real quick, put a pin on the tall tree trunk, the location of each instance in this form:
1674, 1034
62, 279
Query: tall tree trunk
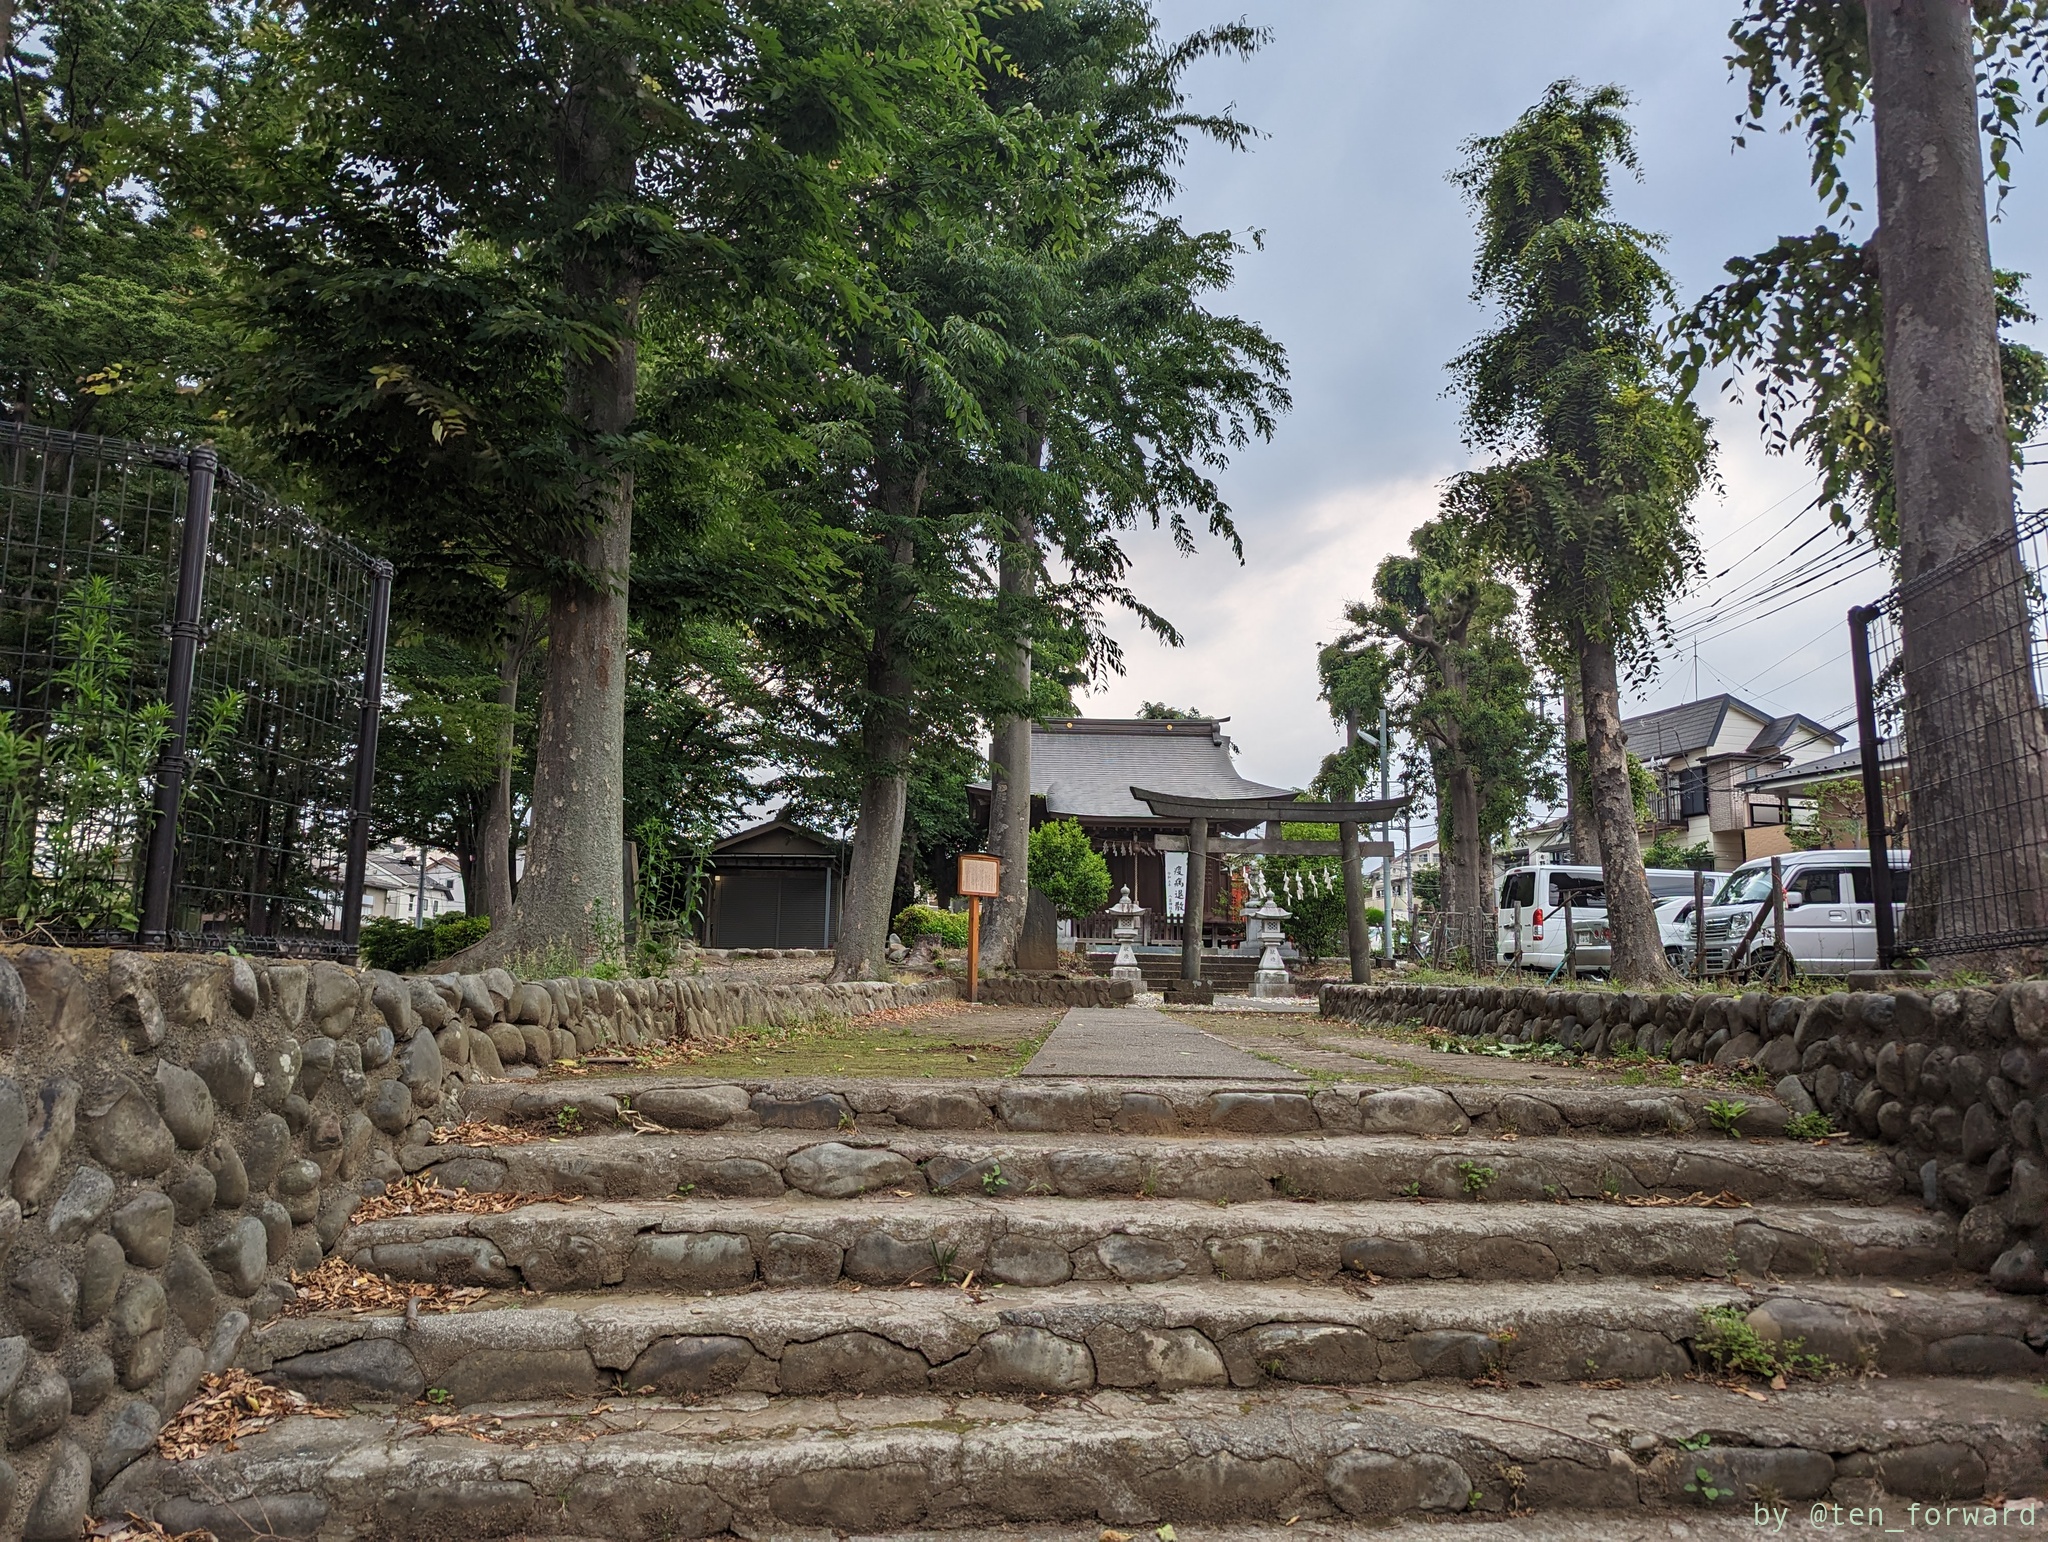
1357, 932
573, 890
1009, 806
1468, 871
1582, 834
494, 855
1975, 741
861, 950
1631, 913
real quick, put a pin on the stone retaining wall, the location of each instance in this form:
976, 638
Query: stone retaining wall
1048, 991
1955, 1082
179, 1133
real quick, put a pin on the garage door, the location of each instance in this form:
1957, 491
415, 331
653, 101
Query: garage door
776, 908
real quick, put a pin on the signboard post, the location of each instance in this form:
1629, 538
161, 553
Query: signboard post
981, 878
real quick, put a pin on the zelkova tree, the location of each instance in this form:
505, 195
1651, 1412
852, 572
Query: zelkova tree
1600, 453
1882, 362
1443, 639
1046, 377
457, 224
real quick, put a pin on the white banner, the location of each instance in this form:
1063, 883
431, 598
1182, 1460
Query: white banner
1176, 882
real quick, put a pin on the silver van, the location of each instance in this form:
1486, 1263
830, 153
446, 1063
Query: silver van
1830, 916
1530, 916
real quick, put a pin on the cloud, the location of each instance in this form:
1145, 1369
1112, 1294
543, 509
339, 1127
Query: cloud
1252, 632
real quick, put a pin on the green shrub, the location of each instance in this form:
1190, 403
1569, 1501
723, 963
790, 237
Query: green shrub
946, 926
1067, 870
389, 943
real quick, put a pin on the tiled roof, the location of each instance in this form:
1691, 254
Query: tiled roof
1780, 729
1683, 729
1086, 767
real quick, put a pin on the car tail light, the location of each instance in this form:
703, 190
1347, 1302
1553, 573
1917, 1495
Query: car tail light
1539, 924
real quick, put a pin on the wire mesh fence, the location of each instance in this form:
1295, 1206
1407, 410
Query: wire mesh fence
1952, 668
189, 681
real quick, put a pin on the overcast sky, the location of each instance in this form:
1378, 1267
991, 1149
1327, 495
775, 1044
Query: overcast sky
1364, 276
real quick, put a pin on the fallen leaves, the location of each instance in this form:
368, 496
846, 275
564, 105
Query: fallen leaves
482, 1132
423, 1196
134, 1528
338, 1286
227, 1408
1698, 1199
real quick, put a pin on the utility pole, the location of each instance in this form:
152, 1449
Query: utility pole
1386, 863
419, 900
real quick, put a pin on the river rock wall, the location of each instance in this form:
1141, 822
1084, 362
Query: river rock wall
1954, 1082
179, 1133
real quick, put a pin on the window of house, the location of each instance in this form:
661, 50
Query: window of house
1691, 787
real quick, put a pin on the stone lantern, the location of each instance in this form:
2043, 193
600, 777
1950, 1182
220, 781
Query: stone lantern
1271, 979
1127, 910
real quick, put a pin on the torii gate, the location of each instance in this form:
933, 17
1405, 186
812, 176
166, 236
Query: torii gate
1347, 817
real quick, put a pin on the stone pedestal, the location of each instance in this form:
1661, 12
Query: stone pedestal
1272, 978
1127, 910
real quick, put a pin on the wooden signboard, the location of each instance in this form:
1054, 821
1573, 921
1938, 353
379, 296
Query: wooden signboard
981, 877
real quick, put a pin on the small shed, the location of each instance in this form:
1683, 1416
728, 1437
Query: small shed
776, 885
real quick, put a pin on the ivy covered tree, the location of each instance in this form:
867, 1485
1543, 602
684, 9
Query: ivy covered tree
1442, 646
1598, 451
1882, 361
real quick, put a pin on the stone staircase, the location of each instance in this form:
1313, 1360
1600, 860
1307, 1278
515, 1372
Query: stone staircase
1042, 1309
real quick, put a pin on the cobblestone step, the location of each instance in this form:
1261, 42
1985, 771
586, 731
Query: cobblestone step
1106, 1105
1079, 1338
764, 1163
628, 1469
730, 1244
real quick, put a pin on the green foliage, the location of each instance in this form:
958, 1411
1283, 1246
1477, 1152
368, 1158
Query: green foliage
1473, 1178
1441, 647
945, 926
1813, 1126
1725, 1115
1805, 319
108, 292
389, 943
1160, 712
79, 796
1727, 1343
1067, 870
1311, 891
1666, 852
1602, 452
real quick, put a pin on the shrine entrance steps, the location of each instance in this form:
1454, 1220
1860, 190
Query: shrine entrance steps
1045, 1308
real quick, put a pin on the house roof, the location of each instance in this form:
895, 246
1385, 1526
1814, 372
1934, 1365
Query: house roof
1693, 726
1780, 729
1084, 768
777, 837
1891, 756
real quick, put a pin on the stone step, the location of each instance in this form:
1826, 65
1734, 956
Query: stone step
632, 1468
1239, 1168
1638, 1526
1108, 1105
1079, 1338
887, 1240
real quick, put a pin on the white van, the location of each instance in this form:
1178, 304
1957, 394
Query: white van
1530, 932
1830, 918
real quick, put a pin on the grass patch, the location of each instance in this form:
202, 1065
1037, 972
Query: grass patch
948, 1042
1729, 1345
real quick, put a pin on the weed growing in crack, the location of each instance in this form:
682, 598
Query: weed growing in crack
1473, 1178
1725, 1115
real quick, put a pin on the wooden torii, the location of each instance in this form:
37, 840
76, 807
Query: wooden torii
1347, 817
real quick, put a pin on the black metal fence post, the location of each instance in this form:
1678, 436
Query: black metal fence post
366, 755
1871, 750
160, 866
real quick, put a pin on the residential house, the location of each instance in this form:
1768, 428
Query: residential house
1709, 758
391, 884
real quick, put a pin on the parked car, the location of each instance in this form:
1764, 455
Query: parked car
1830, 916
1533, 901
1675, 922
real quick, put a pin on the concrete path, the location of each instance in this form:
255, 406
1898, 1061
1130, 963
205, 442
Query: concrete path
1137, 1041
